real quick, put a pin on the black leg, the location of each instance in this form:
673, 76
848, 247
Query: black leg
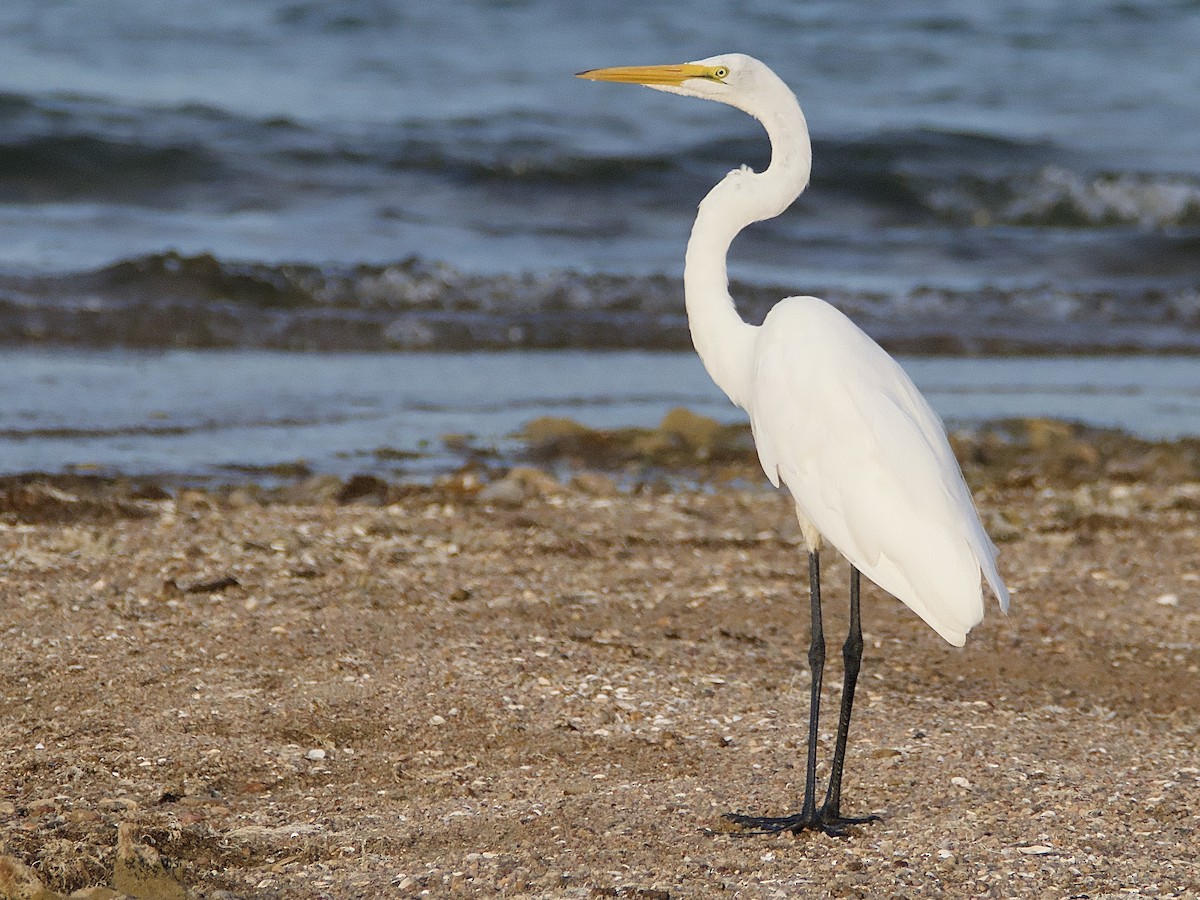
816, 663
808, 815
831, 811
828, 818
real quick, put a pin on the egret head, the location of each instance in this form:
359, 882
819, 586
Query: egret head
744, 83
731, 78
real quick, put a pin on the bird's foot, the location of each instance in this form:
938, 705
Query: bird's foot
823, 820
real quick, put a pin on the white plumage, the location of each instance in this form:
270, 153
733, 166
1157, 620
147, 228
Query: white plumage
873, 474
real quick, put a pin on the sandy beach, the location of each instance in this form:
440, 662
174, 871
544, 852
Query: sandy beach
556, 688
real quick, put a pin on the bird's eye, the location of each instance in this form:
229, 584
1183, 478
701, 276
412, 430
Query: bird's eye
720, 73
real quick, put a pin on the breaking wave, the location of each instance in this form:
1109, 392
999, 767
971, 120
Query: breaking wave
169, 300
1055, 197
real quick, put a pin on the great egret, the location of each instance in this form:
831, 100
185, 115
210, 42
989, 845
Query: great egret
835, 418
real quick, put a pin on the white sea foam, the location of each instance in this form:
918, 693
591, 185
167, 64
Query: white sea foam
1056, 195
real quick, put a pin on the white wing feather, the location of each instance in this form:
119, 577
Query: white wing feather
867, 462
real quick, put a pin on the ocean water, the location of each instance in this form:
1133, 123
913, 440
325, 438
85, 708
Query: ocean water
991, 177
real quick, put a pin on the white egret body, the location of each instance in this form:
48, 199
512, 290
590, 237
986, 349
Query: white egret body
835, 418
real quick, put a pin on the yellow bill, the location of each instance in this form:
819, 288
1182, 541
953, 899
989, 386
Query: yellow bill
666, 75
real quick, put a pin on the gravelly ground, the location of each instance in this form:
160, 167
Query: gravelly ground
560, 694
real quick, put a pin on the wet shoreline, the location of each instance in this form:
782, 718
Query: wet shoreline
561, 456
266, 417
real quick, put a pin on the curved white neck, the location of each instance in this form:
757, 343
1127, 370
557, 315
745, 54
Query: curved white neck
725, 342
